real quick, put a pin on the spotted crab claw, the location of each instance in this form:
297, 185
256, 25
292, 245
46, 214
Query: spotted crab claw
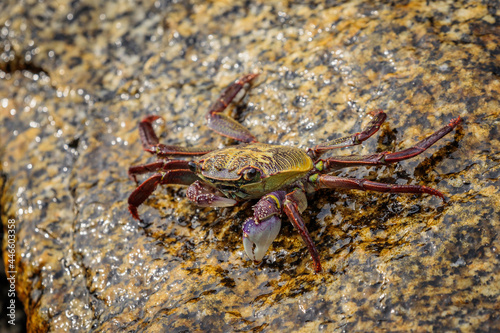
258, 237
206, 196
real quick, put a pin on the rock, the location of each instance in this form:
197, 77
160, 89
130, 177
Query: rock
78, 77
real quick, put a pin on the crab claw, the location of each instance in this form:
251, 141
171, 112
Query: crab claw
257, 237
205, 196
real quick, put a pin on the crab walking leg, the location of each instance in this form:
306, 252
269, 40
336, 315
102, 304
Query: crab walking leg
295, 203
150, 142
386, 157
168, 151
157, 166
207, 196
224, 124
260, 230
147, 133
379, 117
141, 193
327, 181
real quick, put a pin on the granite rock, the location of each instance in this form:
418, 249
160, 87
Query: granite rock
77, 77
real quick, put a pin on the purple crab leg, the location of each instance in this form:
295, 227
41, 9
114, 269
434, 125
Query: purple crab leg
386, 157
379, 117
141, 193
222, 123
147, 133
156, 167
150, 142
295, 203
327, 181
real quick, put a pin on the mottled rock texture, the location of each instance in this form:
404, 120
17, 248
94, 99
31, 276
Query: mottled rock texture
77, 76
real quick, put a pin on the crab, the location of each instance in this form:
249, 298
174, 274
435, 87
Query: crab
279, 176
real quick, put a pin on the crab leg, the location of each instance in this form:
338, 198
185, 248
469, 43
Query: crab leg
141, 193
222, 123
327, 181
295, 203
147, 133
157, 166
150, 142
355, 139
386, 157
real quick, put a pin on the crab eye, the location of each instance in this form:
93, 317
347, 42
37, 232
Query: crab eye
250, 173
192, 166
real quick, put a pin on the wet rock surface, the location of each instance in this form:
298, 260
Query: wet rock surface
77, 77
